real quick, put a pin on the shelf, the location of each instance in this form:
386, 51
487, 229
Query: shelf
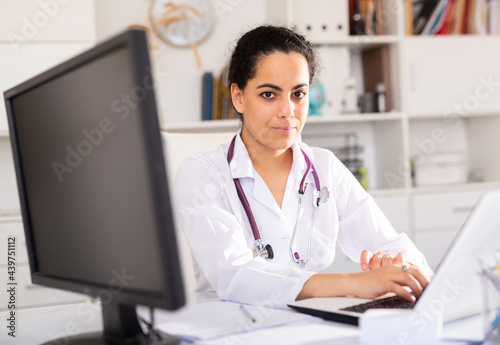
451, 115
381, 193
451, 37
203, 126
4, 133
362, 117
481, 186
10, 218
234, 124
359, 41
437, 189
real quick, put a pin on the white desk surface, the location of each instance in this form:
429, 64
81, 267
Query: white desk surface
36, 326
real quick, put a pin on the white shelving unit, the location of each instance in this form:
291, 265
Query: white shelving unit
446, 98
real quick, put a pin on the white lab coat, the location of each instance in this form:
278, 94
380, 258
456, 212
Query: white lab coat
221, 240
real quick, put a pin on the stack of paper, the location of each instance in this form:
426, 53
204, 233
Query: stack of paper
213, 319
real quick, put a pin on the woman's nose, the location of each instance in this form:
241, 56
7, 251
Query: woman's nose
287, 109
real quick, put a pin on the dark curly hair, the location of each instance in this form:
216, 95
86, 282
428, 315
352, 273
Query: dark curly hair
263, 41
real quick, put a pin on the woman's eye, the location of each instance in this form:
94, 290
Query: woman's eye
299, 94
267, 94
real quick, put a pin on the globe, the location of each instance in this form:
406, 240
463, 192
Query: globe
316, 97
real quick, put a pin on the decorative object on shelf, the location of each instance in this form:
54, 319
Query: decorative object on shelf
346, 147
182, 23
381, 98
350, 102
316, 97
440, 168
367, 102
349, 154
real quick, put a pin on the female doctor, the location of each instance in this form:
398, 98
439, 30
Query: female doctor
263, 213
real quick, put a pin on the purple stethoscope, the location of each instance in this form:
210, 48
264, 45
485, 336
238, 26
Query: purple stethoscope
319, 195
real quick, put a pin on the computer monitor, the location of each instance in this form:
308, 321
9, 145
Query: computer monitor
92, 182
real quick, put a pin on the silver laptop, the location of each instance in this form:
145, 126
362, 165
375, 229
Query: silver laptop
455, 291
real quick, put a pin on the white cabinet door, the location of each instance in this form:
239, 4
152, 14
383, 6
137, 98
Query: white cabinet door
27, 295
434, 245
396, 209
30, 60
26, 21
437, 218
9, 199
444, 210
452, 74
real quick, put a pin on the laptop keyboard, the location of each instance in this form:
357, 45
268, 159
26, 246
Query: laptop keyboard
393, 302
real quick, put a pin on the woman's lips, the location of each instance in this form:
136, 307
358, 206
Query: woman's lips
284, 129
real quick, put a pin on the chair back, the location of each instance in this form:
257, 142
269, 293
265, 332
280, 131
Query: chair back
177, 148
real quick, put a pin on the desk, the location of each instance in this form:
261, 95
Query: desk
35, 326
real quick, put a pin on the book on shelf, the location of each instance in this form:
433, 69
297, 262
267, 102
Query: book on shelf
452, 17
477, 17
216, 101
206, 99
366, 17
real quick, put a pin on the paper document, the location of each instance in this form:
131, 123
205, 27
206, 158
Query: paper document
214, 319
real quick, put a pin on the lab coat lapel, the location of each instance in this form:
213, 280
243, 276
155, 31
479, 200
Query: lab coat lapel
263, 195
242, 168
241, 164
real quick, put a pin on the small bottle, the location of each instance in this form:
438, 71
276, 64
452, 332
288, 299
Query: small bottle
381, 98
351, 96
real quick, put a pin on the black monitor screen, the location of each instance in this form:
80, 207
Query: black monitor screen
92, 179
86, 176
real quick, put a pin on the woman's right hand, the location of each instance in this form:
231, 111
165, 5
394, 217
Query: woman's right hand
370, 284
389, 278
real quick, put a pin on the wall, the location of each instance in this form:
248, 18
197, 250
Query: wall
34, 36
179, 87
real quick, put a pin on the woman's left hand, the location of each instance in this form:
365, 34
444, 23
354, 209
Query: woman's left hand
371, 261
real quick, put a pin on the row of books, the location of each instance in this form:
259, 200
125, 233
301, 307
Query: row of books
216, 101
365, 17
452, 17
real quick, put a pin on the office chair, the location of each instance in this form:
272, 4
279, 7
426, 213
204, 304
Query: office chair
178, 147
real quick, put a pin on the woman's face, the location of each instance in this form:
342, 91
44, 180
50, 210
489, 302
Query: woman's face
275, 102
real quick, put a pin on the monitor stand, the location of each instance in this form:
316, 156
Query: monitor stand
121, 326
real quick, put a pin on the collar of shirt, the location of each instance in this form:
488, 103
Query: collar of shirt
241, 165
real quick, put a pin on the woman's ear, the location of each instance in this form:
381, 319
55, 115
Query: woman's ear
238, 98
